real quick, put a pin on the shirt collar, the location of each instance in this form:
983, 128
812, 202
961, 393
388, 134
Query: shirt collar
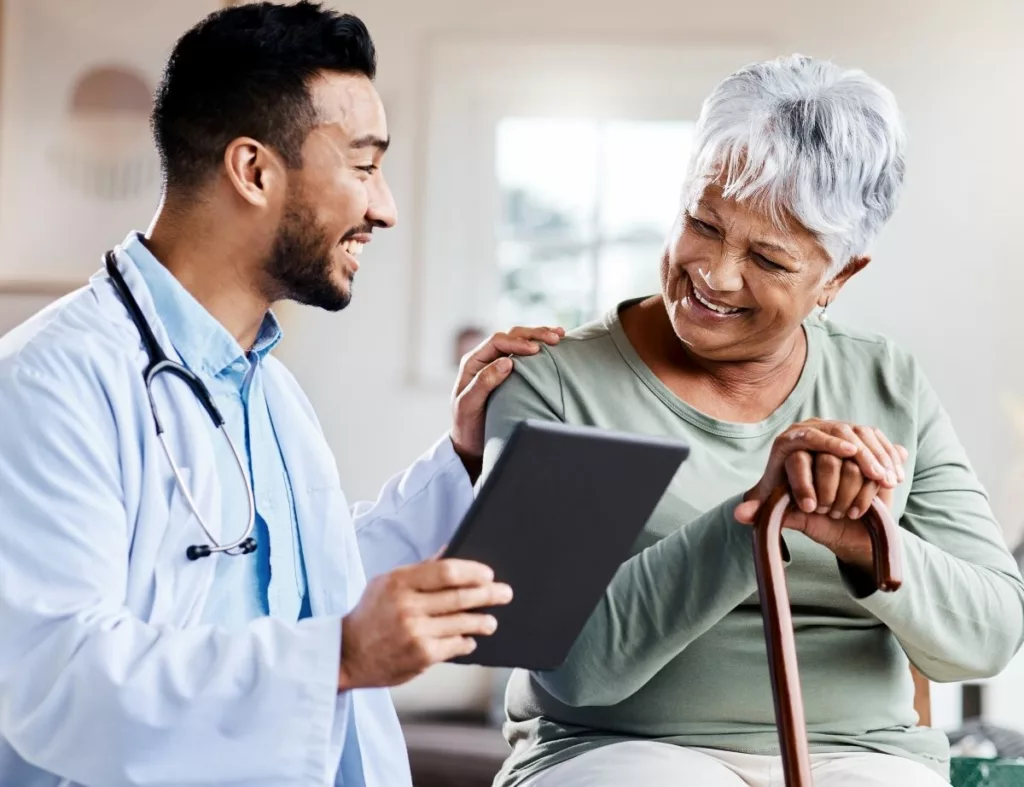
202, 342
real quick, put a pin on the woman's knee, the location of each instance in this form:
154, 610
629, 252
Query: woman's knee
649, 763
874, 770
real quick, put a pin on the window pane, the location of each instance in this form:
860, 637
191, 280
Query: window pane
543, 285
627, 270
642, 167
547, 177
586, 207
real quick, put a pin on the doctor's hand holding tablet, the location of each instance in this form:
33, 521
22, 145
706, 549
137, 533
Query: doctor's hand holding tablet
421, 615
415, 617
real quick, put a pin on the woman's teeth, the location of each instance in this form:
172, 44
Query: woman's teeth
352, 247
713, 306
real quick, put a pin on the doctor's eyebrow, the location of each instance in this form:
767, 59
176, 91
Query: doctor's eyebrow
370, 141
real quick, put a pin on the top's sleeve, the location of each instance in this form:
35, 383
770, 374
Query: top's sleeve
416, 512
960, 611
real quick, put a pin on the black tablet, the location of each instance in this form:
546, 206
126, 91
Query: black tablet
556, 517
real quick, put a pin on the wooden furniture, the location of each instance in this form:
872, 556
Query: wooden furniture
778, 620
453, 753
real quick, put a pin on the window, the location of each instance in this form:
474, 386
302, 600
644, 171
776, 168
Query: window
585, 209
550, 181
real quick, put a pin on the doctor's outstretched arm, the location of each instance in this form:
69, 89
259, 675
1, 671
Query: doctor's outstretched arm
95, 695
418, 510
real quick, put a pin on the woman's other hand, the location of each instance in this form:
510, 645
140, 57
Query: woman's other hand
832, 486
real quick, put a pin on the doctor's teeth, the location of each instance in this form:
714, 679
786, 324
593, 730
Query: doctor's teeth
353, 247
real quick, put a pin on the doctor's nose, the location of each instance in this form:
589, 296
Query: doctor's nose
381, 210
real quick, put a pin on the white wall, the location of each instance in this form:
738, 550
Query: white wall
48, 228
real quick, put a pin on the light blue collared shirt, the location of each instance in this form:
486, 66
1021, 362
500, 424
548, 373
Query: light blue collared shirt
272, 580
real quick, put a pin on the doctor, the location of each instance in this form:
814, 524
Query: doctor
187, 604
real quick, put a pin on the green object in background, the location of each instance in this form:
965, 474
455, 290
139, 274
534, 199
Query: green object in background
975, 772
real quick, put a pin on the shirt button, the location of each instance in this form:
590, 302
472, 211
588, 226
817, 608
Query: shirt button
238, 366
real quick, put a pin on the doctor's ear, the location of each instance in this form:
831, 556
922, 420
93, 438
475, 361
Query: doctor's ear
254, 170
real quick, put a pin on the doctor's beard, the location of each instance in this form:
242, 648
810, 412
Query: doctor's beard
300, 267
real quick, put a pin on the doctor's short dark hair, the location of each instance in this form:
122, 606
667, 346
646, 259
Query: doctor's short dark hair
245, 71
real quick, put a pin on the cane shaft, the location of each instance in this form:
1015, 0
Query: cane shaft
778, 620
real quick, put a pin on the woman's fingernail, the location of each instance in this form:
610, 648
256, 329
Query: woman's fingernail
854, 512
836, 515
901, 474
891, 477
822, 509
850, 447
807, 504
504, 365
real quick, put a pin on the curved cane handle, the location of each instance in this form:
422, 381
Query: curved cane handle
778, 619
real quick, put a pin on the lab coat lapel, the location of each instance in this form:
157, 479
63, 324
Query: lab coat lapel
320, 507
180, 585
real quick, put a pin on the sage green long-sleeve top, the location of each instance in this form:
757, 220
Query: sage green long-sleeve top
675, 649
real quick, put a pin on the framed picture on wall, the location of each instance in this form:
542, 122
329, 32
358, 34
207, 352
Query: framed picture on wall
78, 168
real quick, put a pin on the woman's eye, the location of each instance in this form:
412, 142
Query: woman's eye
703, 227
766, 263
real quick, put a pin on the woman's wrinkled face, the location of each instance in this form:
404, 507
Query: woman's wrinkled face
735, 285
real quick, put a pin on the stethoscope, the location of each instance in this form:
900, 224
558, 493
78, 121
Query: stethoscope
160, 363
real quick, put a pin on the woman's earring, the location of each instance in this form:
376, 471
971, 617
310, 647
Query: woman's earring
823, 314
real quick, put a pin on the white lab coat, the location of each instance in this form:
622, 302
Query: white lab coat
107, 677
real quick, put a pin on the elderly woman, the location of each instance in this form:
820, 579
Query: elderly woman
797, 166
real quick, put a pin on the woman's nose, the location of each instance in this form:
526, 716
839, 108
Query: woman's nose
723, 274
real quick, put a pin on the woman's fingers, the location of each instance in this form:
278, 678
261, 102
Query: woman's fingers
800, 476
827, 469
897, 457
864, 498
881, 454
813, 439
867, 460
851, 484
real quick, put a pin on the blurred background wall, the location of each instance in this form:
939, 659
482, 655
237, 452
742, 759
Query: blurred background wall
537, 150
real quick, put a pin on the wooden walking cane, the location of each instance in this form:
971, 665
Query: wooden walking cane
778, 620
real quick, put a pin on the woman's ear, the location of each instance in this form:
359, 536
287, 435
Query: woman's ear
854, 266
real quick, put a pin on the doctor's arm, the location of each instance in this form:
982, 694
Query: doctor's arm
418, 510
92, 693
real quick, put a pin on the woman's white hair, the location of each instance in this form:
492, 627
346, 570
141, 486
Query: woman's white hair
804, 137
